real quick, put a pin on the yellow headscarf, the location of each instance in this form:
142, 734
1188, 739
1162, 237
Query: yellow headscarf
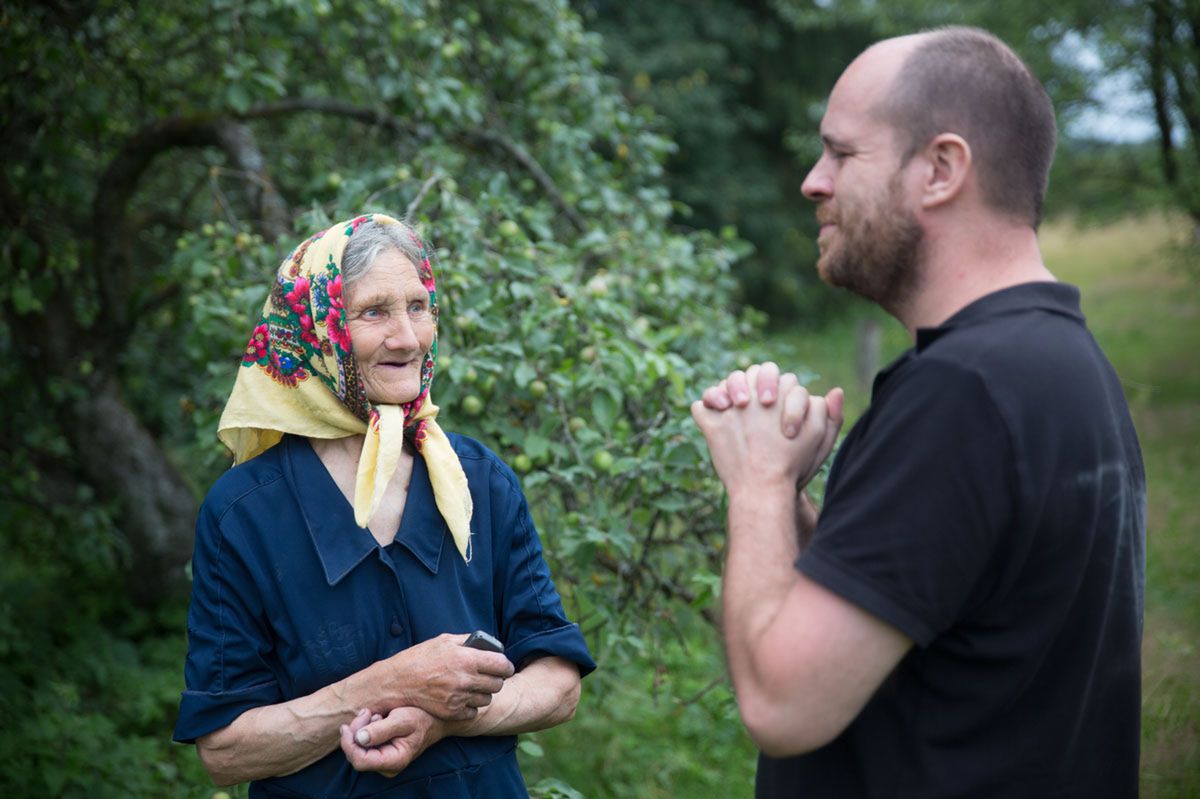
303, 335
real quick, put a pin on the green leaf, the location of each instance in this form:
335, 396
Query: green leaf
605, 405
23, 299
524, 374
531, 748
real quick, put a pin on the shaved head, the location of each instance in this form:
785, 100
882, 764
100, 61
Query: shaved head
968, 82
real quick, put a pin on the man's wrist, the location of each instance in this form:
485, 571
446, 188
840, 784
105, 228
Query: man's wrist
768, 490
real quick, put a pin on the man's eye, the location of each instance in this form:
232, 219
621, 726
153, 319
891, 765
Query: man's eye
838, 155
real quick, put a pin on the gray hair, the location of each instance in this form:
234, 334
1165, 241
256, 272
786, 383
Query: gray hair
370, 240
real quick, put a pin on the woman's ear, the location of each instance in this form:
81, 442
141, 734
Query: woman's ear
948, 157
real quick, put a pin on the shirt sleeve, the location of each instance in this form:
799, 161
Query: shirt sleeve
532, 620
916, 513
226, 672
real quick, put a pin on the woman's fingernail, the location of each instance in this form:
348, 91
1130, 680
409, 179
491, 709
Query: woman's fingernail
789, 431
363, 737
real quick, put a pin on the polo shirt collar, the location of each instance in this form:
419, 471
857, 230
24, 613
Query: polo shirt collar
340, 543
1059, 298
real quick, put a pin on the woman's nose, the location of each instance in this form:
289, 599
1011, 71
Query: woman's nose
402, 335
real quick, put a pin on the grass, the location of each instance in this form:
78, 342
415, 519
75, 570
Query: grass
1141, 294
1142, 298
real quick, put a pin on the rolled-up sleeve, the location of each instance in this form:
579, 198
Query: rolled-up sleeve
226, 672
533, 622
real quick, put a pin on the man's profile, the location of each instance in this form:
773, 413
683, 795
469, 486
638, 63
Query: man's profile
963, 616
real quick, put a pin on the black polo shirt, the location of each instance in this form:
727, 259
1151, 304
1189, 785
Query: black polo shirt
990, 505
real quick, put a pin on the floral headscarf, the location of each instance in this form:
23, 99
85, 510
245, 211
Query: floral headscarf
302, 334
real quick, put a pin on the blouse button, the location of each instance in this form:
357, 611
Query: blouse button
396, 628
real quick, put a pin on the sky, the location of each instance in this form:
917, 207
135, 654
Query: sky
1123, 111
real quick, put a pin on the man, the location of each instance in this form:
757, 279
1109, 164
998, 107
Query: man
963, 617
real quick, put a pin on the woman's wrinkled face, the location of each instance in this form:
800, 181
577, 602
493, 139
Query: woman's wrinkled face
391, 326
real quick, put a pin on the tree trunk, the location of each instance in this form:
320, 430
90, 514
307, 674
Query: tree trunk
1160, 42
120, 458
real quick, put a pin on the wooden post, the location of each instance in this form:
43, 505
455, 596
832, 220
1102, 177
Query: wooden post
866, 352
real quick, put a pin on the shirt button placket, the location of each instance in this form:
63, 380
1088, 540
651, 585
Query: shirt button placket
396, 627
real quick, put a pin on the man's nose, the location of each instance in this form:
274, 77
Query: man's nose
818, 184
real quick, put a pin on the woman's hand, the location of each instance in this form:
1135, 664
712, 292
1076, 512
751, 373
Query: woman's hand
444, 678
404, 734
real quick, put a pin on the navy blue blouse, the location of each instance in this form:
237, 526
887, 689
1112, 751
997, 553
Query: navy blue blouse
289, 595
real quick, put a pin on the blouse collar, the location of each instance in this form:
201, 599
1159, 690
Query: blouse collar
340, 543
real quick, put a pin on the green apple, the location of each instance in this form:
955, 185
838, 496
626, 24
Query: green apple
472, 405
522, 463
603, 460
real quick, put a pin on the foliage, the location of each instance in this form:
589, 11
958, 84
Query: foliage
1081, 49
144, 213
741, 90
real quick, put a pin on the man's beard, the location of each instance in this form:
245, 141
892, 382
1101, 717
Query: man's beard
879, 252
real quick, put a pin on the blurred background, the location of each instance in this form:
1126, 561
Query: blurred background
614, 191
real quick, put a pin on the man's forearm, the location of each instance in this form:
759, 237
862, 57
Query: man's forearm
765, 530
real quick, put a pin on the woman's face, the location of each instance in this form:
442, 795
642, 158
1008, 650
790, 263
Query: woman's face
391, 326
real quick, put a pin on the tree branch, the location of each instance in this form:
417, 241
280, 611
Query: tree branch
478, 138
488, 138
112, 231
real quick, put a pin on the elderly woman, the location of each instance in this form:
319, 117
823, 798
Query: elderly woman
341, 564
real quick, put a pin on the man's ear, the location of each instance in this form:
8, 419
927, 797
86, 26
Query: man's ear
948, 157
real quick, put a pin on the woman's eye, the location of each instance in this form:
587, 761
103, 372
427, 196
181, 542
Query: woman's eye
417, 308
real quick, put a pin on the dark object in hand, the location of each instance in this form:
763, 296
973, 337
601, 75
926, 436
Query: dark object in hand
481, 640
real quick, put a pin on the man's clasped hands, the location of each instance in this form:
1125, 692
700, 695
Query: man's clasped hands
764, 427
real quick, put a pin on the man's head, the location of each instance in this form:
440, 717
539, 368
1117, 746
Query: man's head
920, 123
966, 81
